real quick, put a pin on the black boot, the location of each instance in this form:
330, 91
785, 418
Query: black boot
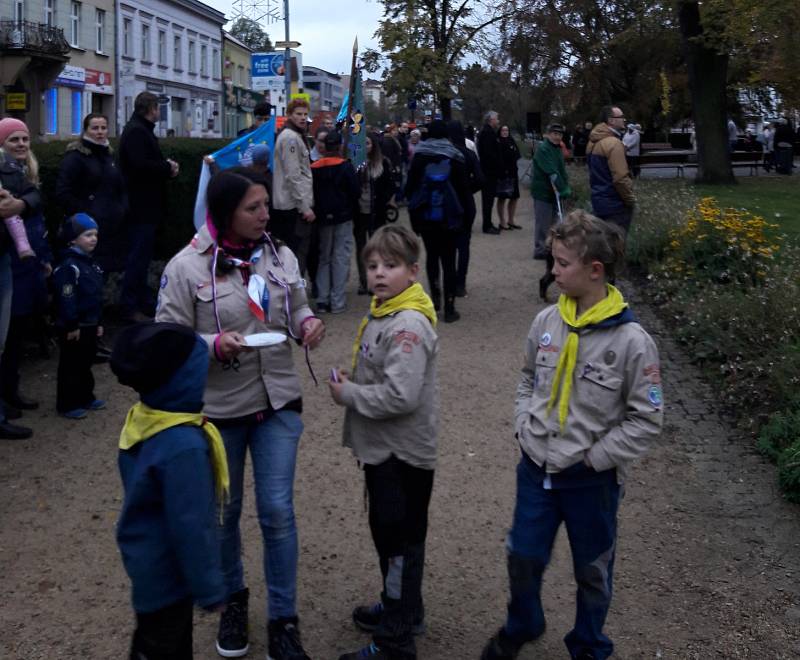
450, 313
436, 298
9, 431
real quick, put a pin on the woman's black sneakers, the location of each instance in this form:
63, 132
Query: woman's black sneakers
284, 640
232, 636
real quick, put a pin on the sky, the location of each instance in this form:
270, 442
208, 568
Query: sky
326, 36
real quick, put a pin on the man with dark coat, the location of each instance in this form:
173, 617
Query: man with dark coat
145, 171
492, 166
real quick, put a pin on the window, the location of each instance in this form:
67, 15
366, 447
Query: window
145, 43
19, 11
51, 111
177, 56
77, 111
100, 29
162, 47
203, 60
240, 76
246, 82
50, 12
192, 63
75, 24
215, 62
126, 36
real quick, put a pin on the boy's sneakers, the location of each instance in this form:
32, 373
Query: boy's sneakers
367, 617
370, 652
323, 308
77, 413
232, 636
500, 647
284, 640
97, 404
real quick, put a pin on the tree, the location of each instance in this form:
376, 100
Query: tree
424, 42
708, 73
251, 34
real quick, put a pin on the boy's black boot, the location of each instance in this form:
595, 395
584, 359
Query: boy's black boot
367, 618
450, 313
284, 640
500, 647
232, 639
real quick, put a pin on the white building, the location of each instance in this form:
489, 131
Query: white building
172, 48
326, 89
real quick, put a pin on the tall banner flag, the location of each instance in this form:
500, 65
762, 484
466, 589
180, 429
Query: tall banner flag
236, 153
357, 125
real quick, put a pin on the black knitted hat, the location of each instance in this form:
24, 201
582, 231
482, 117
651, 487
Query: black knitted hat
146, 355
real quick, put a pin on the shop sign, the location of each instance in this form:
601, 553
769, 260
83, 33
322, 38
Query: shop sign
100, 82
72, 76
17, 101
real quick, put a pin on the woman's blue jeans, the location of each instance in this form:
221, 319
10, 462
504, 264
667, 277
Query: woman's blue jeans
273, 452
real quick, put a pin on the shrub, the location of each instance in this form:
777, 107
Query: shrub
181, 191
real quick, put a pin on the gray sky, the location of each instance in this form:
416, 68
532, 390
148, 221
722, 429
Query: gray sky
325, 29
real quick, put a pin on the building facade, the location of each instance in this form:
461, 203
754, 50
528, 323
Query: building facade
240, 99
326, 89
172, 48
58, 57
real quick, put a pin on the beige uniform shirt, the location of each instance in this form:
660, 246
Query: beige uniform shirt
393, 401
185, 297
292, 185
616, 405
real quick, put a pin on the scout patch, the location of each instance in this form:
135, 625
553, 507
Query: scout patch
654, 395
164, 281
609, 357
67, 290
546, 339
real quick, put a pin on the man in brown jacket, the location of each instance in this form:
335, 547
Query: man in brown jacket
612, 187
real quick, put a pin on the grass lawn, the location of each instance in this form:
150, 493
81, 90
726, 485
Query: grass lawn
776, 199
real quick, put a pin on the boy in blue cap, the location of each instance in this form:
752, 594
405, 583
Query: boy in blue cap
172, 463
78, 284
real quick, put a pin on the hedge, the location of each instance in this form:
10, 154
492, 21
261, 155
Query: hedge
181, 191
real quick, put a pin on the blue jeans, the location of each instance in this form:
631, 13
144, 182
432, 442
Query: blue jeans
335, 250
590, 515
273, 452
6, 290
136, 296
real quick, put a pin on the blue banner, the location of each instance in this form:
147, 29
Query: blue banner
236, 153
357, 125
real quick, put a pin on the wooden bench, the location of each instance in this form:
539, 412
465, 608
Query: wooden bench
683, 160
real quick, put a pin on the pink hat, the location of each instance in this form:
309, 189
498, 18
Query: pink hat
9, 125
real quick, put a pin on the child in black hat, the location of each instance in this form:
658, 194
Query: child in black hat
172, 462
78, 283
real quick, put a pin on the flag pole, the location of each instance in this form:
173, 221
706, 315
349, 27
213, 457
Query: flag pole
351, 94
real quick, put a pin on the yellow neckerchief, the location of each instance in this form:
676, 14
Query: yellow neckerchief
414, 297
609, 306
143, 422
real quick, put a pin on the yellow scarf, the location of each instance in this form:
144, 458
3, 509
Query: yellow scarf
414, 297
143, 422
609, 306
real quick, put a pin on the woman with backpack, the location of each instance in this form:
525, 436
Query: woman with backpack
438, 192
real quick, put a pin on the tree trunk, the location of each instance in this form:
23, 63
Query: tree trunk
708, 70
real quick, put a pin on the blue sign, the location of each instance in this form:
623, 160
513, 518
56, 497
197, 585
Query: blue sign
267, 65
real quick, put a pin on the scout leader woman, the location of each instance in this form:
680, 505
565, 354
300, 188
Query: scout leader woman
231, 281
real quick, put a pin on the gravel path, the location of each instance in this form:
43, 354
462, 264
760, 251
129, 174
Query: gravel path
708, 560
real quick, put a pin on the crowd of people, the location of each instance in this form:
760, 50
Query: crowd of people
211, 359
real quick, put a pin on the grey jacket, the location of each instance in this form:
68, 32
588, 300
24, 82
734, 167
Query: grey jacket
185, 298
616, 405
393, 400
292, 186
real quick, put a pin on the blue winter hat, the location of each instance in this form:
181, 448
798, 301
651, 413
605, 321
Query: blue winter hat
75, 225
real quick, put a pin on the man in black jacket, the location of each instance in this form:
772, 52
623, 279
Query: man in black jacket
492, 166
145, 171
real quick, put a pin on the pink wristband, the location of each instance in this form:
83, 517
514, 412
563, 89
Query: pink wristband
217, 352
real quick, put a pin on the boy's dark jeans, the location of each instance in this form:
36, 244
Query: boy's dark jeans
590, 516
75, 387
165, 634
399, 495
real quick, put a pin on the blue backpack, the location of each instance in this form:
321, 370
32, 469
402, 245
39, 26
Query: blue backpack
436, 196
